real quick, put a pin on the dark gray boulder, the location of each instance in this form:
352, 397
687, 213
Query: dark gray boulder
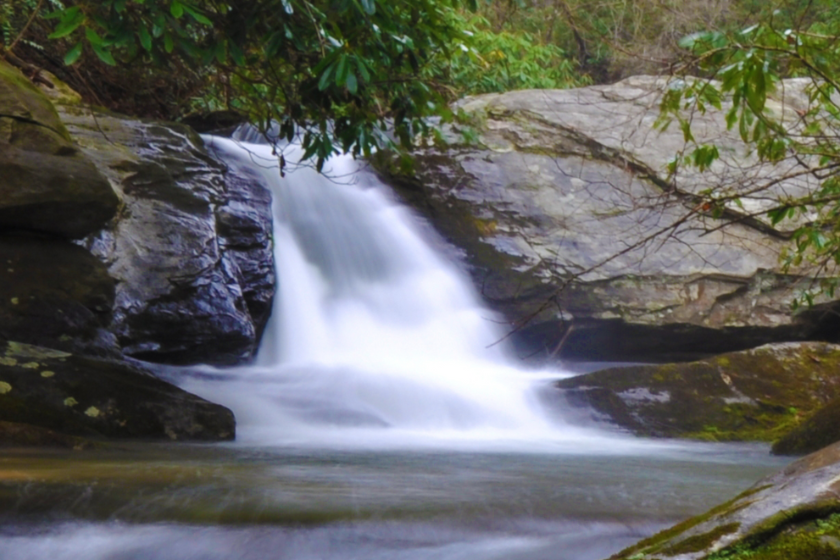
191, 252
81, 396
54, 293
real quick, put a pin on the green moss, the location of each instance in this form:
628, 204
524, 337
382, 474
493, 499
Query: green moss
20, 350
812, 539
757, 395
696, 543
656, 543
815, 432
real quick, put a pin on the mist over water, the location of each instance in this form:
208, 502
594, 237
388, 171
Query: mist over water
376, 340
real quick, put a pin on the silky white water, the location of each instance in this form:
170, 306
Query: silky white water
375, 339
378, 363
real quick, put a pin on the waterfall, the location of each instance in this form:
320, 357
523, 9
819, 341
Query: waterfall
373, 335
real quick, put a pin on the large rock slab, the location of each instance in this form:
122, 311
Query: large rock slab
46, 183
83, 396
572, 226
191, 253
759, 395
791, 515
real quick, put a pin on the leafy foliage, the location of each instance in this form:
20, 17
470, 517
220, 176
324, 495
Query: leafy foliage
792, 123
337, 72
496, 62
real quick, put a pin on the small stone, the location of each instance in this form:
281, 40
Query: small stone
47, 373
11, 362
70, 401
93, 412
4, 387
30, 365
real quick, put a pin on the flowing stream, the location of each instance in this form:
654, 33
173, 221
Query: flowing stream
383, 419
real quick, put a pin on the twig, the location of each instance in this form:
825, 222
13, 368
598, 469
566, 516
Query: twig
23, 31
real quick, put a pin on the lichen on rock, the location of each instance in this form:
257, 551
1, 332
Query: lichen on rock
103, 398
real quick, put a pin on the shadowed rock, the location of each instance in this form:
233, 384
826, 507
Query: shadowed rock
56, 294
46, 184
79, 396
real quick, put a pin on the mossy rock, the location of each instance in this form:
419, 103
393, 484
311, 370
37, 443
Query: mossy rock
28, 119
817, 431
755, 395
46, 184
791, 515
79, 396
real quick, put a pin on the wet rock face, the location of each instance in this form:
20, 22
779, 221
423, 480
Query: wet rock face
566, 214
81, 396
791, 515
191, 252
188, 254
762, 394
46, 184
55, 294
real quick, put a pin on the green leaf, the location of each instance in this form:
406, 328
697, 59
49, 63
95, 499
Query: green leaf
685, 126
197, 16
689, 41
287, 7
757, 89
104, 55
236, 54
776, 215
93, 37
364, 74
73, 54
145, 38
70, 21
341, 71
176, 9
369, 6
352, 83
324, 82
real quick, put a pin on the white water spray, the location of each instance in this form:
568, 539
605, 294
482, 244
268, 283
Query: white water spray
374, 338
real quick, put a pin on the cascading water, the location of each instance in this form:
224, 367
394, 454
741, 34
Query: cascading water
372, 331
379, 346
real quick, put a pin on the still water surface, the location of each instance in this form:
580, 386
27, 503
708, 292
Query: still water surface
233, 502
